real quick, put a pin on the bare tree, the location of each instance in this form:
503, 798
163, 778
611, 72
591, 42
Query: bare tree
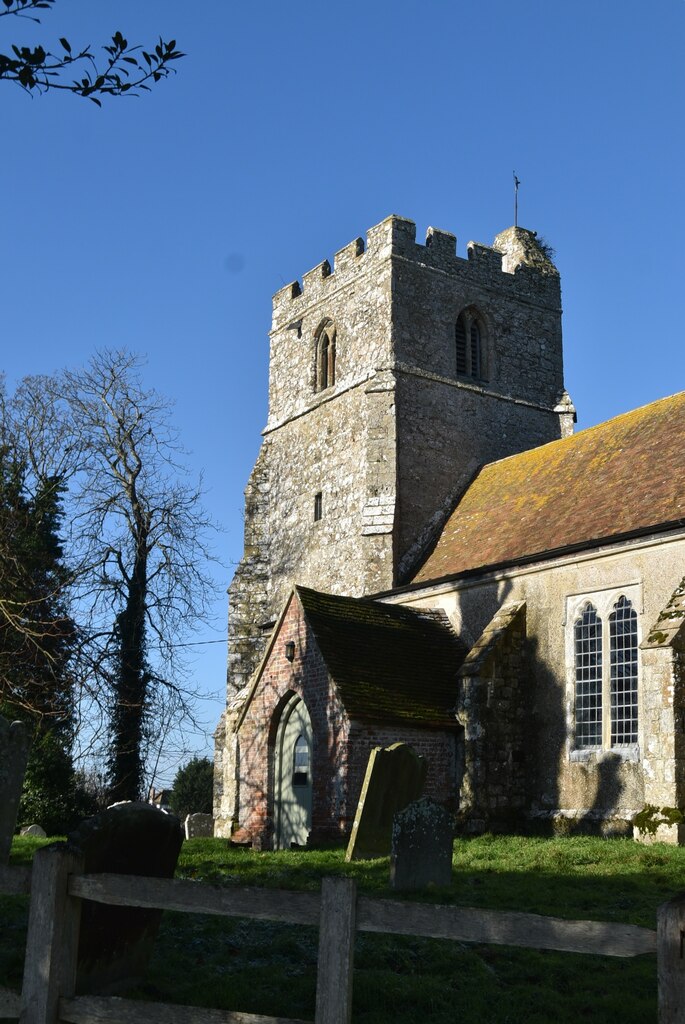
124, 69
137, 540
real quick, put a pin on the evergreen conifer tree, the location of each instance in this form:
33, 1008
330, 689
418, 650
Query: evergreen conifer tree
37, 638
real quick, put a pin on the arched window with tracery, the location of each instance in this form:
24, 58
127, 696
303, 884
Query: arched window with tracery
325, 358
606, 670
470, 345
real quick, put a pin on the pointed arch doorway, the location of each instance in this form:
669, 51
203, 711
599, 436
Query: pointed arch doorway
293, 776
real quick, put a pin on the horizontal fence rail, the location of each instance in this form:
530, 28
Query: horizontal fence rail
113, 1010
503, 928
432, 921
57, 885
197, 897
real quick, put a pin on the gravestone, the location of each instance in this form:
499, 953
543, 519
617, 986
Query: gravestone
115, 943
37, 831
197, 825
422, 840
394, 777
14, 751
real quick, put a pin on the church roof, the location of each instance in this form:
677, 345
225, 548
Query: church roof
620, 479
389, 663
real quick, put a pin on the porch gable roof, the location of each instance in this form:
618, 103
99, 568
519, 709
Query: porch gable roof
389, 663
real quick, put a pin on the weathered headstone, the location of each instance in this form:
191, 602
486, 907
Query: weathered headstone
115, 943
422, 839
14, 751
37, 831
394, 777
197, 825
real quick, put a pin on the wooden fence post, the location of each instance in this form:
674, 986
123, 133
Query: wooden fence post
336, 951
670, 960
52, 939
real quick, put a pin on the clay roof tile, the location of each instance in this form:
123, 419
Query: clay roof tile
621, 478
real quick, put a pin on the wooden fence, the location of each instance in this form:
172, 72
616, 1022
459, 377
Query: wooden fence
57, 886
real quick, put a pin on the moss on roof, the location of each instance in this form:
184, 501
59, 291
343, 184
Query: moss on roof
389, 663
622, 477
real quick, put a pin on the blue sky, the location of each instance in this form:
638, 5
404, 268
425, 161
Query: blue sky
164, 224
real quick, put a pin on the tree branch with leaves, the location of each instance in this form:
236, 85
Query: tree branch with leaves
122, 70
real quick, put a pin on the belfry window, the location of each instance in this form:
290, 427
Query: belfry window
469, 339
605, 653
318, 506
325, 359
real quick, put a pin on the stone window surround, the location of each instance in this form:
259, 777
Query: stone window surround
603, 600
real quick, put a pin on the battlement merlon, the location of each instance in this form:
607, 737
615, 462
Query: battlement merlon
515, 254
522, 248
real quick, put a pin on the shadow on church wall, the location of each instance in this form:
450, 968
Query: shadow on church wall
561, 795
567, 797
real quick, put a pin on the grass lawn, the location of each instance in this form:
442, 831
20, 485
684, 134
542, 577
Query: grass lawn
270, 968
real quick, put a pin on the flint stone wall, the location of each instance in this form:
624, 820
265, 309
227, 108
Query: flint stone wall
386, 444
493, 709
393, 442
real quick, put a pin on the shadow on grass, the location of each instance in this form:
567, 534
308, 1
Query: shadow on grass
270, 968
264, 968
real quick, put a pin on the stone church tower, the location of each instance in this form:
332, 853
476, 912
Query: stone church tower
394, 375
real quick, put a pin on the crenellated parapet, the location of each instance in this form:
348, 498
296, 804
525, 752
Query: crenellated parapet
515, 258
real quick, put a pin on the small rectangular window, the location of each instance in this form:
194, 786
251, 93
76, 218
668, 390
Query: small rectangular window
318, 507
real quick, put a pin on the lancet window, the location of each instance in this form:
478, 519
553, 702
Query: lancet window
325, 358
470, 345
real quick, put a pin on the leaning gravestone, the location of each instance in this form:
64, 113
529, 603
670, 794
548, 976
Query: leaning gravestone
197, 825
115, 943
422, 839
394, 777
14, 751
